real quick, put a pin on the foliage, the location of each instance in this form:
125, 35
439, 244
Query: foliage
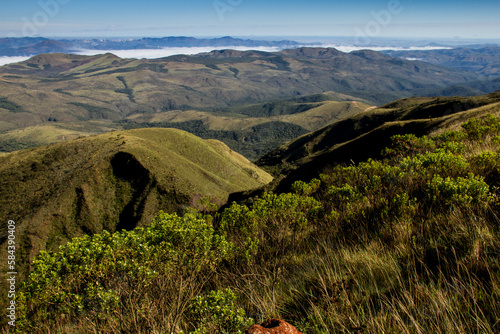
96, 112
408, 145
270, 221
85, 277
10, 106
216, 312
460, 191
12, 145
478, 129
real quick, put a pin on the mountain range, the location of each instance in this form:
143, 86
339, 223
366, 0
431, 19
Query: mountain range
480, 59
234, 96
30, 46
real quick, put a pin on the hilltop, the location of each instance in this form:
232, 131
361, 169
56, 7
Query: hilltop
114, 181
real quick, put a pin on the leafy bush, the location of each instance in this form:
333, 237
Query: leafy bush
272, 220
478, 129
87, 275
408, 145
216, 312
460, 191
306, 189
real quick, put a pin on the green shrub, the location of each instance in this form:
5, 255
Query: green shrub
216, 312
306, 189
272, 220
453, 147
478, 129
88, 274
486, 163
345, 194
451, 135
460, 191
408, 145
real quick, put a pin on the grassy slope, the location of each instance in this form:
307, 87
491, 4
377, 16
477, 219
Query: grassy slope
112, 181
364, 135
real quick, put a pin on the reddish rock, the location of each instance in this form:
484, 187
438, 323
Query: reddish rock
273, 326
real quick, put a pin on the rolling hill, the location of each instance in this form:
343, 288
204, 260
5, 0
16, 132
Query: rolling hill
114, 181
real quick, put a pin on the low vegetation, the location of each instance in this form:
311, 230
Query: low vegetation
408, 243
110, 182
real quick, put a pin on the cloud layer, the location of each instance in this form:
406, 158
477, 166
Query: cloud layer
165, 52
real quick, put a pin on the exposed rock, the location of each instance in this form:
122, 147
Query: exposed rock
273, 326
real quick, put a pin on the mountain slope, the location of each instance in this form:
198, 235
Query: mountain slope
364, 135
118, 180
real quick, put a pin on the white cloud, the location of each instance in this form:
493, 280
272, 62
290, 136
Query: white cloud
10, 60
350, 48
165, 52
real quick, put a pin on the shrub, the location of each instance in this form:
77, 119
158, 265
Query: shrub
478, 129
408, 145
460, 191
271, 221
89, 275
486, 163
451, 135
216, 312
302, 188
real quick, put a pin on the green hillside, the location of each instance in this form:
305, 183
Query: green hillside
408, 242
364, 135
114, 181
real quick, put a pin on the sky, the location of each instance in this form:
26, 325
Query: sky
362, 20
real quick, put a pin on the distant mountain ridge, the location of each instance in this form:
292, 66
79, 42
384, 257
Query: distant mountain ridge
30, 46
484, 60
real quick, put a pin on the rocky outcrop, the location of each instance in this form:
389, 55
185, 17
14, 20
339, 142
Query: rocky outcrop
273, 326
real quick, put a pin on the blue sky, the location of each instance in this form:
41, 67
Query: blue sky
361, 19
